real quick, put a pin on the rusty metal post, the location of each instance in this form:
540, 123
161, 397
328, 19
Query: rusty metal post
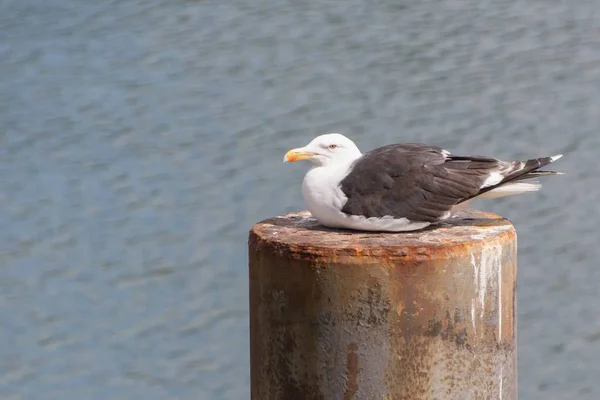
351, 315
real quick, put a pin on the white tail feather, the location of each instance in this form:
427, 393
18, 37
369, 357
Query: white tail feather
511, 189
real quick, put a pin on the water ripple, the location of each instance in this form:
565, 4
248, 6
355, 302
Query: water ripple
141, 140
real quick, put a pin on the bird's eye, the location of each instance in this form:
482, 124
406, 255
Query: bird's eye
332, 146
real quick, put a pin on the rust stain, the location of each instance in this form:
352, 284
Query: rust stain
301, 237
351, 372
405, 300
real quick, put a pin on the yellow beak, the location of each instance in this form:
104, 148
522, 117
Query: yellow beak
297, 155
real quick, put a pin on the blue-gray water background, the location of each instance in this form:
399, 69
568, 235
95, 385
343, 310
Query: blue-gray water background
140, 140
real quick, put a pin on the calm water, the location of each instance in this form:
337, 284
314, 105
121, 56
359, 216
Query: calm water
140, 140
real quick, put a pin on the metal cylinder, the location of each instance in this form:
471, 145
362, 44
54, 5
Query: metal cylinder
350, 315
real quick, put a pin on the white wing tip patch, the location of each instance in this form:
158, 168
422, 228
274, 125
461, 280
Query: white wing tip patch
492, 179
556, 157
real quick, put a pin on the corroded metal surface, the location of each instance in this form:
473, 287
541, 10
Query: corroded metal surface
350, 315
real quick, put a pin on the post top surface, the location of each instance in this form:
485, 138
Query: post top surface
300, 232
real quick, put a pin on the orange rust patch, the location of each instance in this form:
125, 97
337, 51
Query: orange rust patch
300, 236
351, 372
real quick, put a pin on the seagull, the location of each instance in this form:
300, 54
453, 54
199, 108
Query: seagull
403, 187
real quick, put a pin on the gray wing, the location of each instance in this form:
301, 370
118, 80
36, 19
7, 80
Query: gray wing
423, 183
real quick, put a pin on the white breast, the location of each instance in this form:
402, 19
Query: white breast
323, 196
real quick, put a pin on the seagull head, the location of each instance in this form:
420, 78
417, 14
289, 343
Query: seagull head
329, 149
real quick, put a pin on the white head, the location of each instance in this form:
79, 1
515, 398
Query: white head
329, 149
